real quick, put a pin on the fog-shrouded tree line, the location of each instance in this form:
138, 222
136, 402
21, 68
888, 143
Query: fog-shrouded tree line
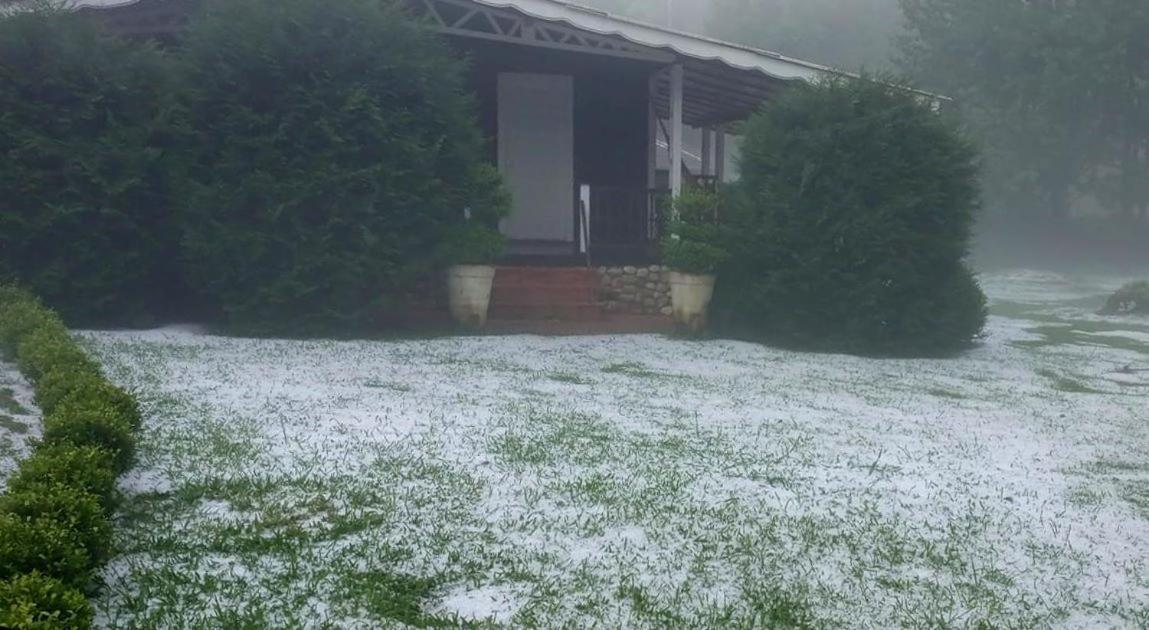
1055, 92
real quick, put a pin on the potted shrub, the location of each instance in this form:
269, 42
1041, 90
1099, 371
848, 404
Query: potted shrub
694, 251
471, 249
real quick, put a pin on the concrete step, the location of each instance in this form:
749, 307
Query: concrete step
529, 295
544, 312
545, 276
610, 324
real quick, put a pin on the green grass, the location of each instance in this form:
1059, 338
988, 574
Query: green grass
572, 379
945, 393
1080, 333
1068, 384
395, 387
9, 423
635, 370
8, 402
385, 595
591, 486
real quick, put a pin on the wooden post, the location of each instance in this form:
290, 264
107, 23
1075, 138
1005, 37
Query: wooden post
720, 155
652, 132
707, 152
676, 141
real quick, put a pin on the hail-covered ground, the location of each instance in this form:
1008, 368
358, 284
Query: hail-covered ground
641, 481
19, 420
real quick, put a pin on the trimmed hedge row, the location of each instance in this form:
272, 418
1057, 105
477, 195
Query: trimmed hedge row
55, 527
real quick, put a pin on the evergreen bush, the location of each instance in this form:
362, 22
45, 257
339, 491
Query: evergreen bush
80, 423
1131, 299
696, 242
34, 601
71, 508
335, 145
86, 123
54, 520
20, 314
852, 224
86, 391
42, 544
87, 468
59, 382
44, 349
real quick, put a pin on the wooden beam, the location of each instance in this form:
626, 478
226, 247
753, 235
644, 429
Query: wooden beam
707, 153
720, 155
676, 139
652, 132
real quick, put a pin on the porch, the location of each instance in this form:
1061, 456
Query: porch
588, 115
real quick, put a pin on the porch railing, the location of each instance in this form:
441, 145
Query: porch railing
625, 224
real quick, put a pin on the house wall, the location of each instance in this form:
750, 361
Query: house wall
610, 110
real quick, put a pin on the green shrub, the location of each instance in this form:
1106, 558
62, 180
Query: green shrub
71, 508
472, 244
87, 468
46, 349
82, 389
84, 216
1131, 299
852, 225
81, 423
58, 383
696, 242
334, 146
36, 602
21, 316
42, 544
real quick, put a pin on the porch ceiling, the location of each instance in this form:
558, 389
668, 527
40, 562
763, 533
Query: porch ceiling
724, 83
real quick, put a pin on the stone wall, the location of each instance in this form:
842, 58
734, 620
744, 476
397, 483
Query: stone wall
635, 290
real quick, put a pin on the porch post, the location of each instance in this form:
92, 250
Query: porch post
720, 155
707, 152
652, 132
676, 96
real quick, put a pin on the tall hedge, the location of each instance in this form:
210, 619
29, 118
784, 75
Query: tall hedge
335, 144
855, 212
85, 122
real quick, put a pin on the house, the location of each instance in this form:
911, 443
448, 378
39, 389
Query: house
581, 107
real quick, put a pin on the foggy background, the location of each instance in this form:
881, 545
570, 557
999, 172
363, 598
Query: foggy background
1054, 93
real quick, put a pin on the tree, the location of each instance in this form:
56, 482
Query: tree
1055, 90
334, 147
86, 127
853, 221
849, 35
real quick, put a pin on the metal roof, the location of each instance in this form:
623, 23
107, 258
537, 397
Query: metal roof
725, 83
683, 43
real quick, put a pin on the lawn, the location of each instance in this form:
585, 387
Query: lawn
19, 420
640, 481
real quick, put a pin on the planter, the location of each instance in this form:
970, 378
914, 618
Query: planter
690, 296
469, 292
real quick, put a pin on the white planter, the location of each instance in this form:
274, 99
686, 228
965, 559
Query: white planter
690, 296
469, 292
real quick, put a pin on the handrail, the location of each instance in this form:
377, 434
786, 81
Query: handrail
584, 226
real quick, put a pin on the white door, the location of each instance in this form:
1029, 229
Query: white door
536, 155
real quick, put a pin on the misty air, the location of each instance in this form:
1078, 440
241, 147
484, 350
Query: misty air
562, 314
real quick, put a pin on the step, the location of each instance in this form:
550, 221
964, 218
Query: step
612, 324
587, 283
544, 312
544, 275
542, 295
